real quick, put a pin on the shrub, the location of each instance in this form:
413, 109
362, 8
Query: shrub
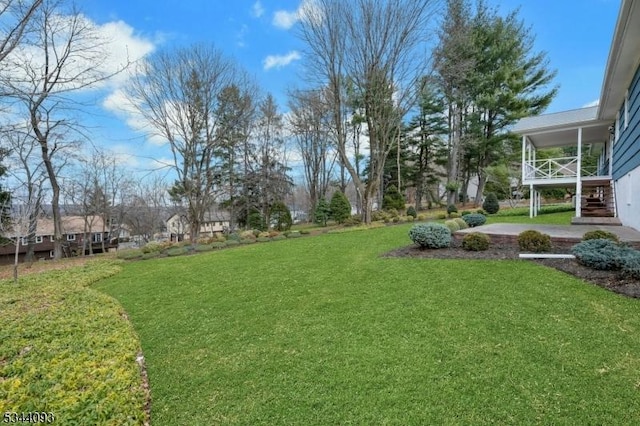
441, 216
630, 264
231, 243
474, 219
600, 234
392, 199
256, 220
203, 247
465, 212
461, 223
281, 216
451, 208
218, 245
263, 239
379, 215
422, 217
491, 204
430, 235
340, 207
454, 215
452, 225
278, 238
534, 241
247, 241
481, 211
391, 213
476, 241
411, 211
294, 234
322, 212
247, 235
305, 232
178, 251
354, 220
152, 247
602, 254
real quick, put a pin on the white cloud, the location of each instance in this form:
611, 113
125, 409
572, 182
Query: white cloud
285, 19
279, 61
592, 104
257, 10
308, 10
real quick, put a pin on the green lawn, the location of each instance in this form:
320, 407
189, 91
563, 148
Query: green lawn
563, 218
322, 330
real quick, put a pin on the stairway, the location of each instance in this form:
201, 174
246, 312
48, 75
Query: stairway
598, 206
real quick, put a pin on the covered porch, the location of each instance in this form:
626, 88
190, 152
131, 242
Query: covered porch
580, 162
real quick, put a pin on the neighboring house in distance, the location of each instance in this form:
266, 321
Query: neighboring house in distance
612, 129
214, 221
76, 234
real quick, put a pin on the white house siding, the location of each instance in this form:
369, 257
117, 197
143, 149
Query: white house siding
628, 201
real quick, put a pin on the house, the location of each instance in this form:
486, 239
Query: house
78, 232
214, 221
604, 161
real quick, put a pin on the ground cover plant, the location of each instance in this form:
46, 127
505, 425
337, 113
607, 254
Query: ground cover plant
325, 331
68, 350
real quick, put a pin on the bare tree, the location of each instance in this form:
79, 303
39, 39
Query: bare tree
308, 123
146, 207
15, 22
177, 92
27, 169
376, 46
63, 55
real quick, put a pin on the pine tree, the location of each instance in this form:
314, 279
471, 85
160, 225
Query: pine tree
321, 215
340, 207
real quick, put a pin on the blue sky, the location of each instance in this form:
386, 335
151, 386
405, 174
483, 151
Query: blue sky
576, 34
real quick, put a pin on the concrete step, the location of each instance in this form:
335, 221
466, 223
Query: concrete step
589, 220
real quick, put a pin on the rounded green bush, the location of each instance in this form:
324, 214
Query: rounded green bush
602, 254
411, 211
600, 234
465, 212
474, 219
534, 241
452, 225
461, 223
630, 264
179, 251
451, 208
430, 235
491, 204
476, 241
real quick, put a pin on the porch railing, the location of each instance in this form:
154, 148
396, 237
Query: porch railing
557, 168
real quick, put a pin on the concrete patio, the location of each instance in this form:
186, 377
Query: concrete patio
560, 234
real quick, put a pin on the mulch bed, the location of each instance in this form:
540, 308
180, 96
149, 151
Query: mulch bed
611, 280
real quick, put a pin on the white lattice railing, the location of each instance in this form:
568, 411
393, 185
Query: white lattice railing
557, 168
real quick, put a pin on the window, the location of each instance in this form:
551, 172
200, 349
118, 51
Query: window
23, 241
97, 238
39, 239
71, 237
626, 109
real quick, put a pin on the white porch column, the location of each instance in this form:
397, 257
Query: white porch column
532, 196
524, 157
579, 176
610, 146
538, 202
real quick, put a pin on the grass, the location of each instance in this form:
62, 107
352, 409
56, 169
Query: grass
67, 349
562, 218
323, 331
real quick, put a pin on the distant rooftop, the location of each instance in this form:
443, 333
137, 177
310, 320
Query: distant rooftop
558, 119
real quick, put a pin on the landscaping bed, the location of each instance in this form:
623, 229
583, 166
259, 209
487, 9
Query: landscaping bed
611, 280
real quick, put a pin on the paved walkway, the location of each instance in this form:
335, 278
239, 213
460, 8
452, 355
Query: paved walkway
564, 232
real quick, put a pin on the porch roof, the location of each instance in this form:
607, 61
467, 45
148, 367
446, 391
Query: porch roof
560, 128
